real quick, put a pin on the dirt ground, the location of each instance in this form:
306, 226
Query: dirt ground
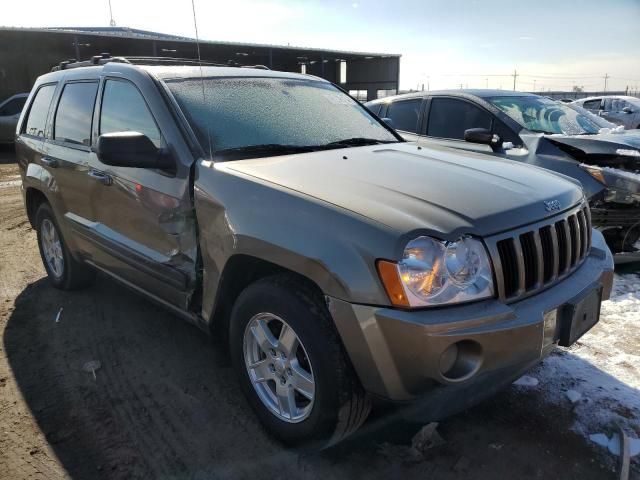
165, 403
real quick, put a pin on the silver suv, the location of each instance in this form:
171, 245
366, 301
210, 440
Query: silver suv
340, 263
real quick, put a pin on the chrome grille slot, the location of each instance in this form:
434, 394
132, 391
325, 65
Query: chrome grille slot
534, 257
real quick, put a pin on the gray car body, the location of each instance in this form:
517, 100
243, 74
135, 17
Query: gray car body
630, 120
8, 122
560, 153
192, 240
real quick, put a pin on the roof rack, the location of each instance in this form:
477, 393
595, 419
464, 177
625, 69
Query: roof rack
104, 58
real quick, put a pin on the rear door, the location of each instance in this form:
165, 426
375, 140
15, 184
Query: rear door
145, 223
68, 156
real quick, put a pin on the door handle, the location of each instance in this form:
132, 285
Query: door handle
49, 162
101, 177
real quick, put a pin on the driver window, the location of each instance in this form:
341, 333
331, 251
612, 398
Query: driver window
124, 110
449, 118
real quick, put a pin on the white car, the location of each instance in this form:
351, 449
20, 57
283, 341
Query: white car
9, 114
620, 110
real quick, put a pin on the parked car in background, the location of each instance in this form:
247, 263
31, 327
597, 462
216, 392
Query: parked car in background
597, 119
9, 114
538, 131
338, 261
620, 110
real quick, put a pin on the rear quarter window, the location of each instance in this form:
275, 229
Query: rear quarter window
37, 119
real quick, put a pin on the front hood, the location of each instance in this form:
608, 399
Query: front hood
601, 149
442, 191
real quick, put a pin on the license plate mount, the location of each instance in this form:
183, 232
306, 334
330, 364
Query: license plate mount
578, 316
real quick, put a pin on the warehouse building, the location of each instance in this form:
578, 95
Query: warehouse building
26, 53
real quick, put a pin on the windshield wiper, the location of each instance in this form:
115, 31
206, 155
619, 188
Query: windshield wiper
267, 149
358, 141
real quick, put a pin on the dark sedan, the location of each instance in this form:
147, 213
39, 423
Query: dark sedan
539, 131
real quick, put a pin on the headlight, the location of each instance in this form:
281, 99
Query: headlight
433, 272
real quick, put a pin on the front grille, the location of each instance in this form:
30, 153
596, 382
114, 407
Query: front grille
531, 259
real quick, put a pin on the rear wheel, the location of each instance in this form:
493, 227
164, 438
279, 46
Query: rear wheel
291, 364
63, 270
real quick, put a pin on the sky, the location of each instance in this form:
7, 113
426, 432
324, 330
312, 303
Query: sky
552, 44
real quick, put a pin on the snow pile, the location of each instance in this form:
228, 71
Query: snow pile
614, 130
599, 376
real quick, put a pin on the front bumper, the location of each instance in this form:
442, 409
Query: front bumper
398, 355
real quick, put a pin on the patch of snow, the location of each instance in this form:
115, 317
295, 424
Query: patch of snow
599, 439
573, 396
526, 381
618, 129
604, 366
613, 444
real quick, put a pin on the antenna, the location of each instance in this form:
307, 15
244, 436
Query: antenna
204, 99
112, 22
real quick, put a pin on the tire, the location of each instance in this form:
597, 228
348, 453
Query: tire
339, 405
68, 274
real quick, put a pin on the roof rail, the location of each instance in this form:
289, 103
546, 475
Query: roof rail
135, 60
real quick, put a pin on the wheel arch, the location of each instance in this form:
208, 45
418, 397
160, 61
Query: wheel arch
240, 271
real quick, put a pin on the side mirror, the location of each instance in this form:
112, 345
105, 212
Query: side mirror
482, 136
627, 110
388, 121
131, 149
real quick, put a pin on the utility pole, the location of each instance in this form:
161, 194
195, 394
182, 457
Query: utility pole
534, 85
427, 84
461, 86
515, 75
112, 22
606, 77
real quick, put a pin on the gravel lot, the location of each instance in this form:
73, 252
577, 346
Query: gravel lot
165, 403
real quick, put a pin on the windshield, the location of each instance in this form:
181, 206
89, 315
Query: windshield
242, 117
540, 114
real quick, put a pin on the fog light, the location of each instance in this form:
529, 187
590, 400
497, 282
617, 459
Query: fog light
460, 361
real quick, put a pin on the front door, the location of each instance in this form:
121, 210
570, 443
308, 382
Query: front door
145, 224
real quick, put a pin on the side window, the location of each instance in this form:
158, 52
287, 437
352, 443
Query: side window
75, 110
124, 109
449, 118
13, 107
375, 108
36, 122
593, 105
405, 114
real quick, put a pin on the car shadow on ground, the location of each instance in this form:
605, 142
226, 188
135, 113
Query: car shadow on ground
165, 403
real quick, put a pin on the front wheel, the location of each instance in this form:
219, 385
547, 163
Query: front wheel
291, 364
